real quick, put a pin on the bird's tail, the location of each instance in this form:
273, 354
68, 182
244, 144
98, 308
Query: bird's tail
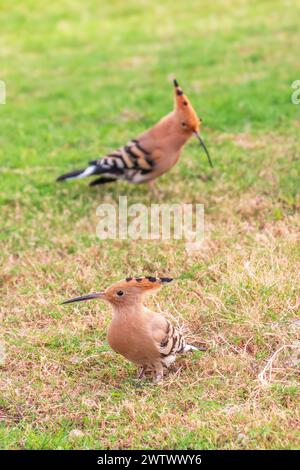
189, 348
78, 174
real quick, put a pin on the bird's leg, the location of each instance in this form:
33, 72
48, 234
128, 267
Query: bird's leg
142, 373
153, 188
158, 373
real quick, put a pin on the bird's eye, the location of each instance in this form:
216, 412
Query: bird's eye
120, 293
183, 124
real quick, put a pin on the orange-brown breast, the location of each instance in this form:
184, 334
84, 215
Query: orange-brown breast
130, 334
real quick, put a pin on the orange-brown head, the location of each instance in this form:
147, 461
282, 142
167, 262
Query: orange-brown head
187, 116
127, 291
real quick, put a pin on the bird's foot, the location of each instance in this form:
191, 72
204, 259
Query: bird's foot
154, 190
141, 373
158, 377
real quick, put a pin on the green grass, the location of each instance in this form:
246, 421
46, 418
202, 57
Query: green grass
83, 78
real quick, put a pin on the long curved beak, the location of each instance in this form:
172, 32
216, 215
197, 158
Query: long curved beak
94, 295
204, 148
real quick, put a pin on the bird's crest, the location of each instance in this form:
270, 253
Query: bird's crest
184, 108
142, 284
147, 282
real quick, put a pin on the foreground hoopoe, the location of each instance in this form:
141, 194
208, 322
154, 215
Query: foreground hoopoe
152, 153
144, 337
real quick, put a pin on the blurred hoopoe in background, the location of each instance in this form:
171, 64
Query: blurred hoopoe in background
152, 153
143, 337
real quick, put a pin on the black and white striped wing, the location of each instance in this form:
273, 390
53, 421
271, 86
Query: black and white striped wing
131, 162
173, 343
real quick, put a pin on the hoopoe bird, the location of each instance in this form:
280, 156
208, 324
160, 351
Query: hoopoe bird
143, 337
152, 153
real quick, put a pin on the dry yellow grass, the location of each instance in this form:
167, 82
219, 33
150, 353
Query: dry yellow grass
239, 296
82, 78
